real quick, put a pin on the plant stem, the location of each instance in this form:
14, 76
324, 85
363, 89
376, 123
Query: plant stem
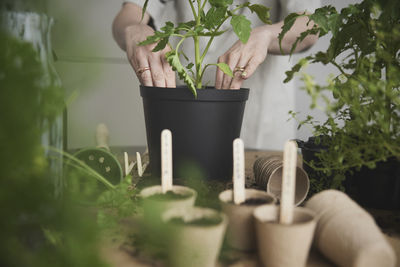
193, 10
388, 101
197, 49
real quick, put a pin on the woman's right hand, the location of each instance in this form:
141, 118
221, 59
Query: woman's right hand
151, 68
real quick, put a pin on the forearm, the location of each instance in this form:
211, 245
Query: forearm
290, 37
128, 17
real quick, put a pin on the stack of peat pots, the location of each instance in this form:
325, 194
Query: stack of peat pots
268, 174
347, 234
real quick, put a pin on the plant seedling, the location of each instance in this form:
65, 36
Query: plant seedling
208, 23
288, 182
239, 194
166, 161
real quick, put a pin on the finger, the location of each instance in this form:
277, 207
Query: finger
145, 76
250, 68
157, 70
232, 61
237, 80
169, 74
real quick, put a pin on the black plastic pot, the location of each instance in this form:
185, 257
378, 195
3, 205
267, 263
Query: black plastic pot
372, 188
203, 129
377, 188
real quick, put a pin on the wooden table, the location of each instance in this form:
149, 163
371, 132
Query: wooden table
122, 253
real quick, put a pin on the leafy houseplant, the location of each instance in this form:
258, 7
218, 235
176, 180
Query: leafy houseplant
362, 103
206, 121
206, 23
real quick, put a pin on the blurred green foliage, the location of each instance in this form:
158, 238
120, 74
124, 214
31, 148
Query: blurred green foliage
36, 228
362, 103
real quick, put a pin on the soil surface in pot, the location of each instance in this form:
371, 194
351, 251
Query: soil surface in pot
168, 196
205, 221
254, 202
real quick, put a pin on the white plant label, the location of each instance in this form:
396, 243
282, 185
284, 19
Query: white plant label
139, 164
166, 160
126, 163
128, 166
239, 194
288, 182
102, 135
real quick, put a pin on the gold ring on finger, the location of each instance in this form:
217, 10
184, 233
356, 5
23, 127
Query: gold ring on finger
239, 68
141, 70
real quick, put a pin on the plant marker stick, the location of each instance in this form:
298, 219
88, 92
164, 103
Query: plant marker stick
131, 166
166, 160
288, 182
126, 163
238, 172
102, 136
139, 164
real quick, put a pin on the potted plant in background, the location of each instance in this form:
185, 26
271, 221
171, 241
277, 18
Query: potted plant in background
360, 140
204, 121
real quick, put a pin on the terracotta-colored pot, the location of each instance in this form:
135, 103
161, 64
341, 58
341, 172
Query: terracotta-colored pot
284, 245
194, 245
241, 228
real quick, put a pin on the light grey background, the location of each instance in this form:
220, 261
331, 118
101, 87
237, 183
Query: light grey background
101, 86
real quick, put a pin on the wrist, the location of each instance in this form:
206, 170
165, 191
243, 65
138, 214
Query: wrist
270, 33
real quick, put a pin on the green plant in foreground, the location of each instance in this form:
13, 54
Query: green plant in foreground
206, 23
37, 229
362, 103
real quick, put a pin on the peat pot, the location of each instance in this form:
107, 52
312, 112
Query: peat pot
203, 128
241, 229
195, 236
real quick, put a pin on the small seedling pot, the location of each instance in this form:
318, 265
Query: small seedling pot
347, 234
154, 203
280, 244
274, 185
268, 174
195, 236
241, 228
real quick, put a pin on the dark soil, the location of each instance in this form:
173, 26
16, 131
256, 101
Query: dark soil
255, 201
168, 196
206, 221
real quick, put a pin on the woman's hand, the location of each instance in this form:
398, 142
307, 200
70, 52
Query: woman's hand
151, 68
243, 59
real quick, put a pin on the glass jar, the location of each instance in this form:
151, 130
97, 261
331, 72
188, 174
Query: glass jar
35, 29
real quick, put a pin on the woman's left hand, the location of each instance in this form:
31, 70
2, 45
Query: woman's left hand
243, 59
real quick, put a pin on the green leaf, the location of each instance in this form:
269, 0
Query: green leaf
242, 27
302, 36
214, 17
150, 40
296, 68
173, 60
161, 44
168, 28
144, 8
220, 3
287, 25
262, 12
185, 26
225, 68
